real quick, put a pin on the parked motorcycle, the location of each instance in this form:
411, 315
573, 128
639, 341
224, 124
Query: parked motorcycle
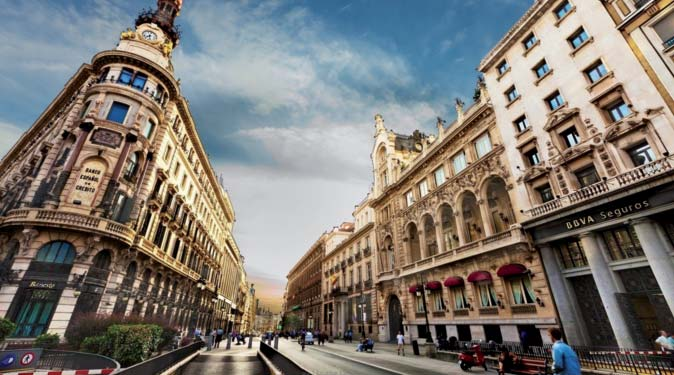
472, 357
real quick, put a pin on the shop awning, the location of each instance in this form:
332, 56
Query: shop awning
453, 281
295, 308
479, 276
414, 288
511, 270
433, 285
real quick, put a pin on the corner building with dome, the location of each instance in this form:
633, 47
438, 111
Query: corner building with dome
108, 203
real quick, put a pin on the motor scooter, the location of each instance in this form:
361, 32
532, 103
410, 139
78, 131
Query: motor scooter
472, 357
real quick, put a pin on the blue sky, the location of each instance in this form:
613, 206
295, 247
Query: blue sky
283, 92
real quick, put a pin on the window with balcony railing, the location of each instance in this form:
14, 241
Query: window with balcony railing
665, 30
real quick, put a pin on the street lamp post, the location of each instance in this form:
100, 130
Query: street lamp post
429, 337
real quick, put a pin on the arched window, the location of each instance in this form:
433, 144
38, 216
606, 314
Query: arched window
472, 218
149, 128
102, 260
499, 205
429, 236
131, 166
413, 241
449, 233
60, 252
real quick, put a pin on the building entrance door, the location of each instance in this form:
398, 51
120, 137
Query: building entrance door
395, 318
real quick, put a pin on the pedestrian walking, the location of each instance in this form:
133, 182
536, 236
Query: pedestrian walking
303, 336
401, 343
564, 359
218, 337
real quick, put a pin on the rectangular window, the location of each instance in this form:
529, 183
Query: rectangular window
532, 157
596, 71
570, 136
438, 301
167, 153
420, 303
578, 38
587, 176
521, 123
530, 41
459, 294
502, 67
665, 29
562, 10
149, 128
125, 76
571, 254
541, 69
368, 271
545, 192
641, 154
487, 294
483, 145
622, 243
522, 292
439, 176
554, 101
423, 188
512, 94
618, 110
459, 162
409, 198
139, 81
118, 112
85, 109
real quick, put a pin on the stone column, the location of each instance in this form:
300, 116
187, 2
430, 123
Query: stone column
423, 250
487, 225
566, 305
657, 249
438, 237
460, 228
607, 288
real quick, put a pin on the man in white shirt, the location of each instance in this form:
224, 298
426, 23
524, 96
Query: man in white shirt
401, 343
664, 341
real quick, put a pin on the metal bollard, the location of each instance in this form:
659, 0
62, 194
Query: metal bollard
229, 342
250, 341
276, 342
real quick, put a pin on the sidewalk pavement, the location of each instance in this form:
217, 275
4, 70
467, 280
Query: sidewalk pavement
385, 356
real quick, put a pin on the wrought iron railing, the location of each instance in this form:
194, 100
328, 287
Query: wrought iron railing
65, 360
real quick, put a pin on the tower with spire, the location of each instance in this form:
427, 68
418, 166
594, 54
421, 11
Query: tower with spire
109, 204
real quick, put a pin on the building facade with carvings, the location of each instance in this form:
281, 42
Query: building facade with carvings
109, 204
303, 289
349, 270
581, 92
446, 224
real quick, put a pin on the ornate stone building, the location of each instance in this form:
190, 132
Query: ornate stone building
349, 270
586, 121
109, 204
446, 225
303, 290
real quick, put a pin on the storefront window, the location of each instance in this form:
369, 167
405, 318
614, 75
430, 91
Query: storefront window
35, 313
522, 291
571, 254
487, 294
459, 295
622, 243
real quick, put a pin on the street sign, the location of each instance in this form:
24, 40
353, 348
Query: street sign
11, 360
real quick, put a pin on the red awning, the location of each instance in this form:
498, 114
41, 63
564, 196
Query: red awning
414, 288
433, 285
453, 281
479, 276
511, 270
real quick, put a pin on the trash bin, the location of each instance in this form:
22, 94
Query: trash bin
415, 347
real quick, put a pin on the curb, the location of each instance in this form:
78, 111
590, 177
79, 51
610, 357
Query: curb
363, 362
273, 369
180, 364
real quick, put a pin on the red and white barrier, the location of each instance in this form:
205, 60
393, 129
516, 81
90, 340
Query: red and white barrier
106, 371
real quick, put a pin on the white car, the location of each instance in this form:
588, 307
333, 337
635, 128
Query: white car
309, 339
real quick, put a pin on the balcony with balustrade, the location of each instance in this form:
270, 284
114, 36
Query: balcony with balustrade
631, 179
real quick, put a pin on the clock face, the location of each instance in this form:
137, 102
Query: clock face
149, 35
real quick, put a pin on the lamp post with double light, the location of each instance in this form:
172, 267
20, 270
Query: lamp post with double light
429, 337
